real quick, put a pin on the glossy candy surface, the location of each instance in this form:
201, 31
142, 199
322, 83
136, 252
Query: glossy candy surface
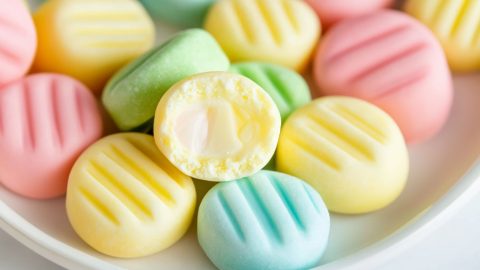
46, 121
350, 151
217, 126
126, 200
269, 220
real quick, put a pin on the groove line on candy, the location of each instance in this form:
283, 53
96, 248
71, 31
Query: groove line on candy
437, 14
240, 15
269, 21
289, 13
113, 43
358, 45
92, 179
2, 113
472, 17
230, 216
338, 137
149, 155
476, 37
434, 10
13, 26
99, 206
110, 182
310, 197
394, 57
5, 23
141, 175
56, 111
11, 56
110, 30
359, 123
311, 130
287, 203
80, 112
304, 146
95, 14
459, 17
259, 209
29, 132
404, 83
259, 74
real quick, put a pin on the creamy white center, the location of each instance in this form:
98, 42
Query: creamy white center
214, 129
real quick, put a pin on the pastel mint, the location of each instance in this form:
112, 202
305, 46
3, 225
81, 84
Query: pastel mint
132, 94
266, 221
286, 87
188, 13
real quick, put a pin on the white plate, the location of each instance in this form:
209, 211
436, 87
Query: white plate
443, 177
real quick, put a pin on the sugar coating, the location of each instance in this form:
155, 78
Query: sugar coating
91, 39
132, 95
333, 11
282, 32
456, 24
349, 150
126, 200
235, 137
393, 61
286, 87
18, 40
46, 121
269, 220
187, 13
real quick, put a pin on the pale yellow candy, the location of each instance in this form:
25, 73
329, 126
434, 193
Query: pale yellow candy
456, 23
217, 126
125, 199
350, 151
283, 32
91, 39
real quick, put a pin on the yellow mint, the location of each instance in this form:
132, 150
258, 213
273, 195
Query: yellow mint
219, 126
91, 39
350, 151
456, 25
283, 32
125, 199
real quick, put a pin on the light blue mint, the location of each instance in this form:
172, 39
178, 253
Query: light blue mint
266, 221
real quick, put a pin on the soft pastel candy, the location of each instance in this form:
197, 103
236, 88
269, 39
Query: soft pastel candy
126, 200
283, 32
46, 121
132, 95
350, 151
91, 39
186, 13
287, 88
456, 24
217, 126
267, 221
18, 40
333, 11
393, 61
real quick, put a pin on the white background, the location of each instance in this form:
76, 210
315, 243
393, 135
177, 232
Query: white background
454, 245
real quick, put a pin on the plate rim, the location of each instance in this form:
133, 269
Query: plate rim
465, 188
